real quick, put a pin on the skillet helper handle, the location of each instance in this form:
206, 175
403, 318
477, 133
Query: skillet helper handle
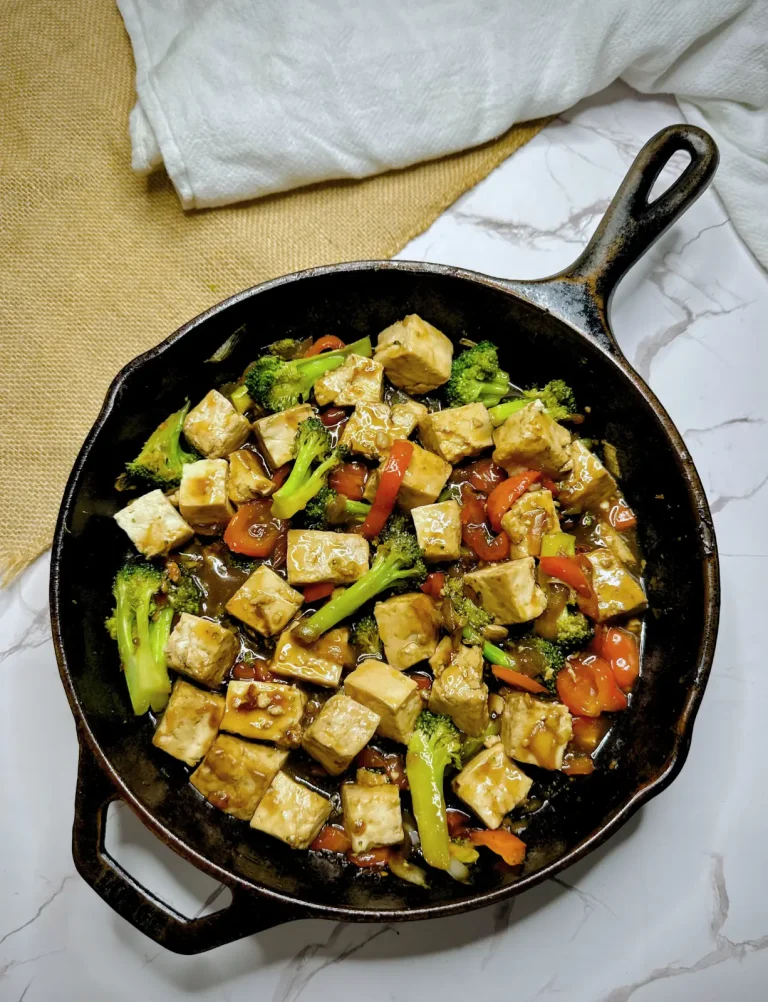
632, 223
136, 904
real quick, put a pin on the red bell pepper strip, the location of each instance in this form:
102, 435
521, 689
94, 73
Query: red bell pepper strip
329, 342
588, 688
475, 533
503, 843
502, 497
619, 648
252, 530
332, 839
621, 516
516, 678
434, 584
349, 479
389, 484
314, 592
567, 569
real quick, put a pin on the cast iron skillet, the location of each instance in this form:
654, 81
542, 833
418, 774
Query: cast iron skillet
545, 329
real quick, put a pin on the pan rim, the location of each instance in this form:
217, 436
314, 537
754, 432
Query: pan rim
301, 907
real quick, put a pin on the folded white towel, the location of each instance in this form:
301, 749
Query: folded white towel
239, 98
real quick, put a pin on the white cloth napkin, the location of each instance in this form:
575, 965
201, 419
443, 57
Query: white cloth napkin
240, 98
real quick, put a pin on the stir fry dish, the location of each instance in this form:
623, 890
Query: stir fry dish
380, 595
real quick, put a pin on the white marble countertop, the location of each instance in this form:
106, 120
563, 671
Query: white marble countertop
673, 907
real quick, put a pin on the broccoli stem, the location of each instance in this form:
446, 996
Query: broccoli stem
356, 509
494, 390
295, 495
497, 656
428, 803
317, 365
500, 413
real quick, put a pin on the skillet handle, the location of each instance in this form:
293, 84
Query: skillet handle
582, 292
136, 904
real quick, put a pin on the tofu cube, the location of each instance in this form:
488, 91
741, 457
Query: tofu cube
457, 432
265, 602
406, 416
530, 439
358, 381
588, 483
340, 730
424, 479
530, 517
460, 693
368, 430
386, 691
372, 816
248, 479
409, 626
370, 777
320, 663
276, 433
535, 731
190, 723
236, 774
153, 524
291, 812
264, 711
438, 530
203, 498
508, 591
315, 556
201, 649
214, 427
416, 356
492, 785
618, 592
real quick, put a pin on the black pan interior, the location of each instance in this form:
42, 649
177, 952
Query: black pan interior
534, 347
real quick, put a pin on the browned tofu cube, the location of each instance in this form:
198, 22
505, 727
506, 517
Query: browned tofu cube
618, 592
424, 479
265, 602
201, 649
457, 432
358, 381
405, 417
460, 693
315, 556
276, 433
264, 711
153, 524
438, 530
588, 483
535, 731
248, 479
372, 816
532, 516
203, 498
386, 691
291, 812
508, 591
190, 722
416, 356
492, 785
214, 427
341, 730
320, 663
409, 626
236, 774
530, 439
368, 430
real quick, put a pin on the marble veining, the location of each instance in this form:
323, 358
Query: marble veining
674, 906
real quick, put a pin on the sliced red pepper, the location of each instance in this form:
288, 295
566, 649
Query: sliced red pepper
483, 475
503, 843
512, 677
371, 857
252, 530
280, 475
329, 342
389, 485
621, 516
567, 569
475, 534
349, 479
315, 592
588, 688
549, 485
502, 497
620, 649
332, 416
434, 584
332, 838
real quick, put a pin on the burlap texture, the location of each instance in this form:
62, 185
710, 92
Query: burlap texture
97, 264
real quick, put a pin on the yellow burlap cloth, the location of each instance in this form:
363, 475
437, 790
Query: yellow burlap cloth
97, 264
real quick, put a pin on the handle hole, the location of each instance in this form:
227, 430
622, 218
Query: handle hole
674, 169
160, 869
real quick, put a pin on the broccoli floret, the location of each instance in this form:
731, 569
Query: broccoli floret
285, 348
365, 636
160, 461
557, 397
434, 745
397, 560
313, 443
277, 384
475, 375
531, 655
327, 508
141, 629
573, 629
467, 613
182, 590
